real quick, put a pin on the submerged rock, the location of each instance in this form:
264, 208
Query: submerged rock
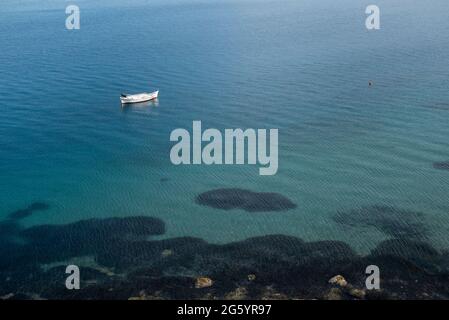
144, 296
250, 201
357, 293
144, 268
203, 282
333, 294
166, 253
7, 296
251, 277
269, 293
338, 280
238, 294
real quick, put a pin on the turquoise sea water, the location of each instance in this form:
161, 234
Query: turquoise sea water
300, 66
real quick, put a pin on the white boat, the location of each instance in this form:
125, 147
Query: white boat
140, 97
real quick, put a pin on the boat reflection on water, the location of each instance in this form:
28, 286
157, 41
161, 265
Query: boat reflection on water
140, 105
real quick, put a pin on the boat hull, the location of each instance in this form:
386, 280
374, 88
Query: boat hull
138, 98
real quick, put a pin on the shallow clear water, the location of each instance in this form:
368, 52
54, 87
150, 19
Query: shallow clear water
300, 66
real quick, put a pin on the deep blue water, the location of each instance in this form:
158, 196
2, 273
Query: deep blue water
300, 66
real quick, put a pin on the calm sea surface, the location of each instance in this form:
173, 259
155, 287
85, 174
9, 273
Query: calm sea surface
300, 66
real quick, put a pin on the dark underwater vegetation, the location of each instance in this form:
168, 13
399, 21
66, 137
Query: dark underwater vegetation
127, 263
444, 165
234, 198
23, 213
389, 220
